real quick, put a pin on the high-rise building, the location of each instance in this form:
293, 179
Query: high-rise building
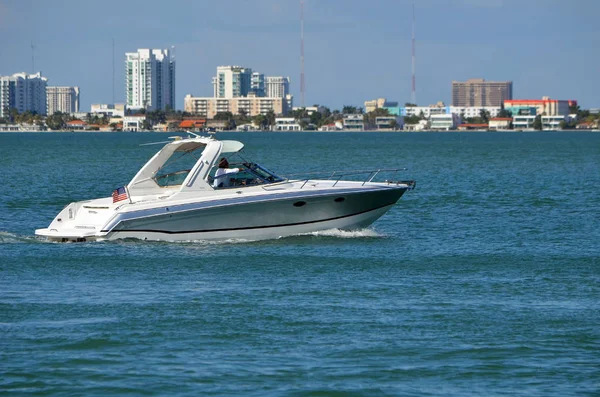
478, 92
150, 79
277, 86
232, 82
24, 92
257, 84
62, 99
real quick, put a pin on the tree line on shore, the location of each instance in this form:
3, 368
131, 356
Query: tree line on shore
305, 118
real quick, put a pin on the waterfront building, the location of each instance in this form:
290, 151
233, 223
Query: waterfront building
389, 122
286, 124
216, 125
277, 86
150, 79
444, 122
62, 99
10, 127
478, 92
500, 123
331, 127
441, 108
378, 104
473, 127
552, 123
24, 92
247, 127
523, 122
354, 122
545, 106
76, 125
192, 124
251, 105
134, 122
110, 110
422, 125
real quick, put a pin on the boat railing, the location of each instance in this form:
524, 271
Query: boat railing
336, 176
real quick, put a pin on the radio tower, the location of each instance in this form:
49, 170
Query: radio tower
113, 71
413, 93
302, 51
32, 58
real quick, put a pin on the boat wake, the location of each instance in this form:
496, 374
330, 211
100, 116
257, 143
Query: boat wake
12, 238
362, 233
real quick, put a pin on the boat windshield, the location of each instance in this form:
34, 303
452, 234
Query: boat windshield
240, 172
178, 166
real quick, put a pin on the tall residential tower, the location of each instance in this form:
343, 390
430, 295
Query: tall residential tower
150, 79
24, 92
232, 82
478, 92
62, 99
277, 86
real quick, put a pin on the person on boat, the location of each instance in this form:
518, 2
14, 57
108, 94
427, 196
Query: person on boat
221, 180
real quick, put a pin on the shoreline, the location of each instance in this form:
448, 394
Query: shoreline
309, 132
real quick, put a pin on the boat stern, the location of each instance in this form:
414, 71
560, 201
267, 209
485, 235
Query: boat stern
79, 221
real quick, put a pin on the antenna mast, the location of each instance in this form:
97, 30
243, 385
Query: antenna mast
113, 71
32, 58
302, 51
413, 94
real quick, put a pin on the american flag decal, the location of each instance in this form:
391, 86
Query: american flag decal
119, 194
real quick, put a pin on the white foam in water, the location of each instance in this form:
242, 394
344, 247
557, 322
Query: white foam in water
346, 233
11, 238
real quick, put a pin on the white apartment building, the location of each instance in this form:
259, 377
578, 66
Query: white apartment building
354, 122
277, 86
232, 82
428, 111
286, 124
474, 111
552, 123
24, 92
523, 122
150, 79
116, 110
134, 122
62, 99
251, 105
444, 122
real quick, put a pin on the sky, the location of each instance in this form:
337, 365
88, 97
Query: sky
354, 50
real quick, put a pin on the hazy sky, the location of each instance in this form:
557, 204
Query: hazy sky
354, 50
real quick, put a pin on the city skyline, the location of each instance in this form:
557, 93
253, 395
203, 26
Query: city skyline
532, 43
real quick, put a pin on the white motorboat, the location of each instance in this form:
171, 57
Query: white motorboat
188, 192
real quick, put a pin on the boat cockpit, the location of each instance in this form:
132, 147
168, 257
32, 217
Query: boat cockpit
239, 172
231, 170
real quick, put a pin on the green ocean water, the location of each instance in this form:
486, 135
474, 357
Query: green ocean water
485, 280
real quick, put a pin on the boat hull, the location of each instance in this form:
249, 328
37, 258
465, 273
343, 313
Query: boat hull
260, 219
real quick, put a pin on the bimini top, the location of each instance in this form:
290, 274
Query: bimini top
186, 161
191, 144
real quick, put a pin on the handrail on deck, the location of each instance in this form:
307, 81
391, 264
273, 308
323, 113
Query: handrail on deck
371, 174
